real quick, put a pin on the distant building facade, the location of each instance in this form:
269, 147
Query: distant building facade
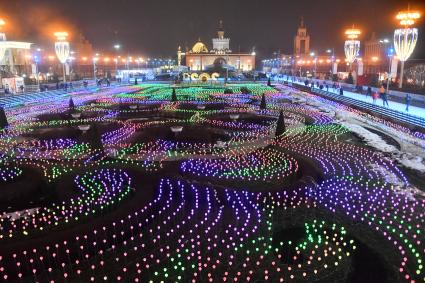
302, 62
15, 57
81, 46
302, 40
376, 59
200, 58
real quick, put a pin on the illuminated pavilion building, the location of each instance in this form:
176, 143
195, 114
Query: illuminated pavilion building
15, 56
13, 53
200, 58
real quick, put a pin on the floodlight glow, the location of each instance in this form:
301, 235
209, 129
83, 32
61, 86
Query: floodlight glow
61, 35
408, 18
352, 33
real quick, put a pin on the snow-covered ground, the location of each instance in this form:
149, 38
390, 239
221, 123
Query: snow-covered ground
400, 107
408, 159
411, 153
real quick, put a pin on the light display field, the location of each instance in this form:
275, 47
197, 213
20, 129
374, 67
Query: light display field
190, 183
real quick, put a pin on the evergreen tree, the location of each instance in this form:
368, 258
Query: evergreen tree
269, 82
280, 126
174, 96
71, 105
3, 119
263, 104
350, 79
135, 81
374, 81
228, 91
95, 138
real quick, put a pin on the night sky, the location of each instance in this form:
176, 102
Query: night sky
157, 27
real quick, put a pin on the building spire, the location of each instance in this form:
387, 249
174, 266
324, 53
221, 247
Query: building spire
220, 25
220, 30
302, 22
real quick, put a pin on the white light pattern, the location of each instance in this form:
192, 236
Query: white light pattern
4, 45
352, 49
404, 42
2, 53
62, 51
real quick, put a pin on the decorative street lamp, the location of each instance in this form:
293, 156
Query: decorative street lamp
313, 56
62, 49
2, 38
405, 38
95, 59
37, 76
117, 48
352, 45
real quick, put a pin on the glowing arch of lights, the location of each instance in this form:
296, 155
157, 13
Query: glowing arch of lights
405, 42
351, 49
352, 44
62, 50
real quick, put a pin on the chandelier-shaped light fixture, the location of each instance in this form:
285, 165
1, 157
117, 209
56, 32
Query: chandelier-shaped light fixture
352, 45
62, 49
405, 42
405, 38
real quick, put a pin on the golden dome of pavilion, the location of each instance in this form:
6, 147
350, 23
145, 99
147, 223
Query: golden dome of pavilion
199, 47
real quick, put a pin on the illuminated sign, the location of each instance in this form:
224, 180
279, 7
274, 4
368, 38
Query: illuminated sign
204, 77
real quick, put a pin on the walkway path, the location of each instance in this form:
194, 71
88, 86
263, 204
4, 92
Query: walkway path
400, 107
396, 110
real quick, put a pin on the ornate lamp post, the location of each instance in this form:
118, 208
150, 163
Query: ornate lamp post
95, 59
62, 49
117, 49
2, 38
405, 38
352, 45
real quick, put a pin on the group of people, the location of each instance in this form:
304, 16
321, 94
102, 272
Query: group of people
382, 94
99, 82
64, 86
8, 90
323, 86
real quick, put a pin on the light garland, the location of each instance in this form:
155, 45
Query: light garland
191, 230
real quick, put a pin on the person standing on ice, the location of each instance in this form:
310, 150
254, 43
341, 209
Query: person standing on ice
408, 99
369, 91
375, 96
383, 95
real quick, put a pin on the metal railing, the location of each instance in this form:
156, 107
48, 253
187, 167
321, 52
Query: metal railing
385, 112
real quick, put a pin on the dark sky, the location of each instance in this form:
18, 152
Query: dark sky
157, 27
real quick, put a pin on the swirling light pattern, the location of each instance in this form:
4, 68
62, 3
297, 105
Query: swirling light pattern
162, 209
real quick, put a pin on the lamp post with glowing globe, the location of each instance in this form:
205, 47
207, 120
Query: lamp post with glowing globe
62, 49
95, 59
2, 38
405, 38
352, 45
